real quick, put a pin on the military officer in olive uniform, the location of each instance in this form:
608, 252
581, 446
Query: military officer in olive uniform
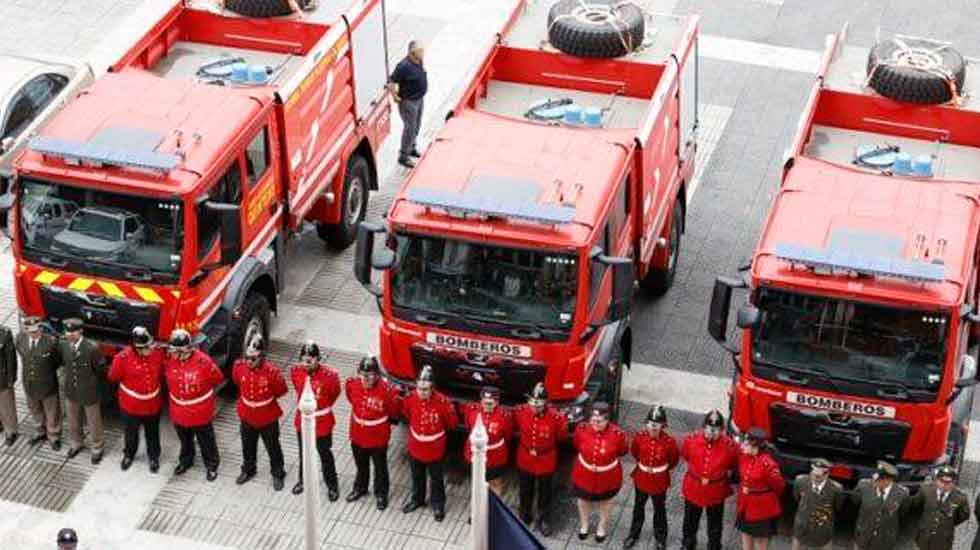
40, 360
8, 377
84, 371
881, 503
819, 498
944, 506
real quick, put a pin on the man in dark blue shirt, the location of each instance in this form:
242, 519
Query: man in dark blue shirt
409, 83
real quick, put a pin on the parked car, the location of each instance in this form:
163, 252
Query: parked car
101, 232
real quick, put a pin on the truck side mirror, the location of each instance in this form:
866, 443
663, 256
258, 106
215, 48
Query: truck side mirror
623, 276
721, 299
365, 260
231, 230
967, 312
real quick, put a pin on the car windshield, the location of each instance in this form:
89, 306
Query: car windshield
486, 282
100, 233
851, 341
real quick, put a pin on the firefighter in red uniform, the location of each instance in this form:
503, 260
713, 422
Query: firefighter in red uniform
656, 455
711, 456
541, 427
138, 369
758, 507
260, 385
192, 378
499, 426
325, 383
429, 415
373, 406
597, 474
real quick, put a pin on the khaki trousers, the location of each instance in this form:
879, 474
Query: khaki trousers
93, 417
8, 411
47, 415
797, 545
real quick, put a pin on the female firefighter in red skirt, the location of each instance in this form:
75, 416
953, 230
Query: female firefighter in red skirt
761, 484
597, 474
500, 427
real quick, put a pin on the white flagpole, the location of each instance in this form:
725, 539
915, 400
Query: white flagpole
479, 523
311, 477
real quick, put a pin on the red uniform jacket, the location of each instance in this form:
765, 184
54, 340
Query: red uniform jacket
428, 421
761, 486
140, 379
371, 409
500, 428
326, 389
655, 458
259, 390
706, 481
537, 451
192, 384
597, 469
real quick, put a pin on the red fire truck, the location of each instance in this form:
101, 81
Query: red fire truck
511, 251
164, 194
858, 339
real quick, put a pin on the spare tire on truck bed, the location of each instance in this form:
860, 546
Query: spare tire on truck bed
596, 28
916, 71
263, 8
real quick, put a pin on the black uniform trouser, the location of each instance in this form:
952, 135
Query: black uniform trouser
151, 429
437, 483
659, 514
544, 489
324, 448
270, 440
363, 458
205, 439
692, 519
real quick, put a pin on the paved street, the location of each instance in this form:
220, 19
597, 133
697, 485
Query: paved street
758, 58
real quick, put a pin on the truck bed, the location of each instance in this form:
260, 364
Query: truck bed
513, 100
185, 58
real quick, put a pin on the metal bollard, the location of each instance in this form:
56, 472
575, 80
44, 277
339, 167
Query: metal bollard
311, 477
479, 524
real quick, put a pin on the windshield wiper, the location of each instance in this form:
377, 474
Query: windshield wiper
810, 369
54, 262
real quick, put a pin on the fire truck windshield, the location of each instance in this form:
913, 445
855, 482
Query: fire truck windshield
490, 284
858, 345
101, 233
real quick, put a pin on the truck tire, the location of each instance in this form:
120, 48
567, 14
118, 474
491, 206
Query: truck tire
253, 319
916, 71
657, 281
596, 28
262, 8
353, 205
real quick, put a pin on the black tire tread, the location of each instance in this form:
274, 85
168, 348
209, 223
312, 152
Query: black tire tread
582, 40
341, 235
910, 85
254, 303
262, 8
658, 281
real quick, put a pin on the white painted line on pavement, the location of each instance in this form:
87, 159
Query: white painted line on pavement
757, 53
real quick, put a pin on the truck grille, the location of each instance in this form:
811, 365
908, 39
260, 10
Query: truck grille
106, 319
462, 374
840, 435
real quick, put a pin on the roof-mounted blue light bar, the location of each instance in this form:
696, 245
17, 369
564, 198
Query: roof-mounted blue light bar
824, 259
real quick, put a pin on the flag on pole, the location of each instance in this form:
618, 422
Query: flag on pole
507, 532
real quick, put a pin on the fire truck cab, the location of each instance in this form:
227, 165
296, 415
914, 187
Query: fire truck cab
512, 250
858, 338
188, 166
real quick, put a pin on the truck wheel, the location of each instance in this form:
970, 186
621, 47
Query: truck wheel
658, 280
596, 28
353, 206
262, 8
253, 320
916, 71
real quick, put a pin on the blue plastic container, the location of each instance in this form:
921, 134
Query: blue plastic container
903, 164
593, 117
239, 72
573, 114
258, 74
922, 165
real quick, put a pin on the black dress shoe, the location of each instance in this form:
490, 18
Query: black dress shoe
439, 514
406, 162
354, 495
278, 483
242, 477
415, 153
631, 540
97, 457
127, 461
56, 445
37, 439
382, 503
583, 536
10, 439
154, 465
211, 475
72, 453
600, 538
411, 506
545, 528
181, 468
298, 488
661, 545
333, 494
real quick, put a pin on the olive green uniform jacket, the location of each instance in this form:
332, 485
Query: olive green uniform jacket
39, 365
84, 371
878, 522
939, 519
815, 513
